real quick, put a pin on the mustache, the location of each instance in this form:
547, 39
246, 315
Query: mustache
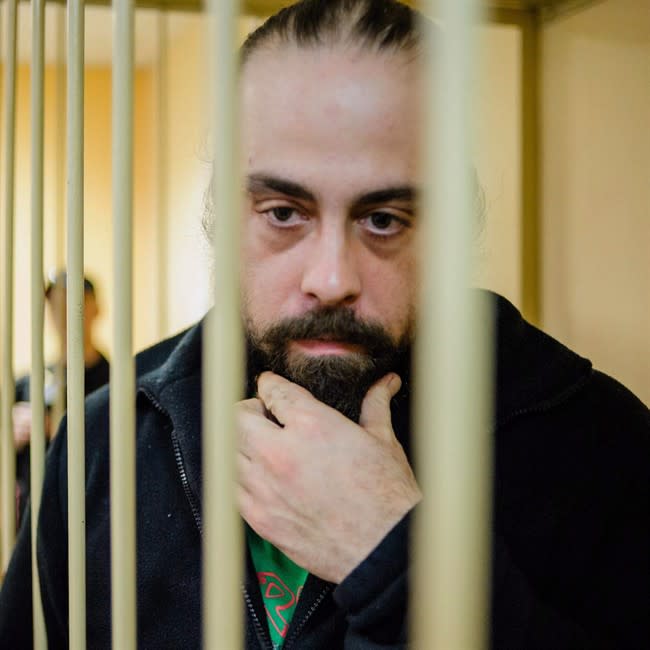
327, 323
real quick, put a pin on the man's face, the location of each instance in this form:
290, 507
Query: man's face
57, 303
330, 154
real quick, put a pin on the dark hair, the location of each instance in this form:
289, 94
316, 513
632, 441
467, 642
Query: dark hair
378, 24
60, 279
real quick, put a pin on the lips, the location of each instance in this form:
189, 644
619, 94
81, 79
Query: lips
322, 346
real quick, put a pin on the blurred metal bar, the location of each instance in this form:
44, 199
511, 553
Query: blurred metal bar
452, 442
162, 180
122, 408
8, 456
75, 336
223, 348
59, 230
531, 258
37, 378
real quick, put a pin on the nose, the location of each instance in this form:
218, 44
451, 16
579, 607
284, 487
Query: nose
331, 275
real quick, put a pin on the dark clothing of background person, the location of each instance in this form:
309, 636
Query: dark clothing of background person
570, 525
95, 377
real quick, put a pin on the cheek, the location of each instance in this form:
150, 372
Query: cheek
391, 293
267, 285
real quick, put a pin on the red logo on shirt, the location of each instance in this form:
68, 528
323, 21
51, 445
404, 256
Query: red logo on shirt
274, 589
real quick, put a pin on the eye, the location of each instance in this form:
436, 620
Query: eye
283, 216
383, 224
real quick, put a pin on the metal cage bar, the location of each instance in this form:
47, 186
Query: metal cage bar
162, 180
75, 329
449, 606
37, 379
60, 214
223, 360
122, 406
7, 385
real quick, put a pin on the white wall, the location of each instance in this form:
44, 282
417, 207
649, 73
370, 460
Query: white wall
497, 158
596, 186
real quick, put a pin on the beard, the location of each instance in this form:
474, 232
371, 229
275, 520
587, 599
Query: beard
338, 380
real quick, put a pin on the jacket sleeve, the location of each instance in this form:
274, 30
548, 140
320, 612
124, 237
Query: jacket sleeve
521, 619
375, 595
16, 594
586, 583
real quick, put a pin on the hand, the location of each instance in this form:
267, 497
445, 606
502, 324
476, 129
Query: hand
319, 487
22, 420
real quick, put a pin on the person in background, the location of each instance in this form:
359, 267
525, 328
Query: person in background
96, 375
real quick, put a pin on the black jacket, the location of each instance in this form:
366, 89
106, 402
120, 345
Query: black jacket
95, 377
570, 553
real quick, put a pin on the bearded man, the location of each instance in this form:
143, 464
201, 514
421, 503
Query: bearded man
331, 120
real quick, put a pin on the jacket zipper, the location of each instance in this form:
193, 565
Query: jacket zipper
196, 512
298, 629
262, 635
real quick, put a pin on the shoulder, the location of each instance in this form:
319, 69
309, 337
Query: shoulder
156, 355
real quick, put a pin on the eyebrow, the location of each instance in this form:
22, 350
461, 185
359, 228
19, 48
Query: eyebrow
262, 182
405, 194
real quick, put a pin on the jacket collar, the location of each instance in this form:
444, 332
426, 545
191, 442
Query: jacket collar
532, 370
170, 377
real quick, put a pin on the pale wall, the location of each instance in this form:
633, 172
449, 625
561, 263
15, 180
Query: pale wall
497, 157
596, 186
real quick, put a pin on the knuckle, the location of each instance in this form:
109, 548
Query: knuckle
305, 421
279, 393
280, 462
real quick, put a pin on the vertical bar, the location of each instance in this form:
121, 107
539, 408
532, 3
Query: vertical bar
75, 338
162, 144
37, 383
530, 237
59, 232
122, 409
223, 356
452, 444
7, 384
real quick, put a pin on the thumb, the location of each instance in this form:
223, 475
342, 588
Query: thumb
375, 408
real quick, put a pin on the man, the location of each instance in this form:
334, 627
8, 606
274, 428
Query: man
96, 375
330, 97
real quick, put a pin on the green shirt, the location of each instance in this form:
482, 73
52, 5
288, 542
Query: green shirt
281, 582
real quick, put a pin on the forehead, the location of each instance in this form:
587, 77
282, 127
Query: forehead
305, 111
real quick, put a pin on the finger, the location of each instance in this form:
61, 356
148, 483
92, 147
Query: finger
244, 468
282, 397
253, 405
256, 405
253, 429
375, 409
